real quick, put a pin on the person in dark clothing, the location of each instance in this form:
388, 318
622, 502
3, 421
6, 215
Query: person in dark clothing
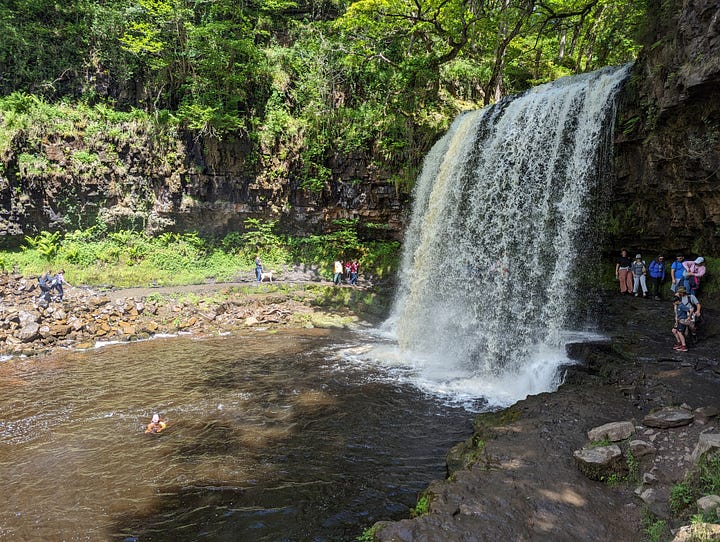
656, 269
46, 282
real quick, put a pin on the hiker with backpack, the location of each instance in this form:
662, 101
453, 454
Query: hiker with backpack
693, 305
46, 282
639, 273
683, 317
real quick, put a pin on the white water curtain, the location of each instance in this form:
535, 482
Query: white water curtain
500, 213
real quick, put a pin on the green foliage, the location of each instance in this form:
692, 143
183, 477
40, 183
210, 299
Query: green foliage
130, 258
655, 529
422, 507
633, 465
378, 79
681, 497
44, 243
368, 535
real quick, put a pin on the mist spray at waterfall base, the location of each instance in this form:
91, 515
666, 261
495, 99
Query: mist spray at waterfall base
499, 235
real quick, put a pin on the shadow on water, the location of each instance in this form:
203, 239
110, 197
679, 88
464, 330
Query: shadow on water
270, 437
341, 461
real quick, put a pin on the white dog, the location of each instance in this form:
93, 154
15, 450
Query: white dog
266, 275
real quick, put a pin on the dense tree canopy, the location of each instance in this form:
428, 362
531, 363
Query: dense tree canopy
311, 78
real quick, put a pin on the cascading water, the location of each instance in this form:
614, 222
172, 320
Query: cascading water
499, 220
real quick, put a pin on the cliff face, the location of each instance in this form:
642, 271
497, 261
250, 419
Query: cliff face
667, 192
129, 174
665, 196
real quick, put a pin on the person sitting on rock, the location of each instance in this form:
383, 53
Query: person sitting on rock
156, 425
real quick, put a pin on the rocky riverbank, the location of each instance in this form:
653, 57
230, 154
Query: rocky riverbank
518, 478
86, 316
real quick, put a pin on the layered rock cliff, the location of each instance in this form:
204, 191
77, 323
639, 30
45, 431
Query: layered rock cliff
667, 193
133, 174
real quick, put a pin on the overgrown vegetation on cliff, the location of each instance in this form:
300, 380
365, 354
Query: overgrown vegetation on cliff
302, 82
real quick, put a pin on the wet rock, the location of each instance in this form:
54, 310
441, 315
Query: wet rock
613, 431
600, 462
668, 417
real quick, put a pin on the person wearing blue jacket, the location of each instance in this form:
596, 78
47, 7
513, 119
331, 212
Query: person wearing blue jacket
656, 269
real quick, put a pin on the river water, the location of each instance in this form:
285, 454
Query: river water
271, 437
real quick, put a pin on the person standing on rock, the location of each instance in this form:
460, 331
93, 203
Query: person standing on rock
622, 272
683, 314
657, 275
258, 269
639, 272
58, 284
691, 303
354, 267
45, 281
337, 278
676, 272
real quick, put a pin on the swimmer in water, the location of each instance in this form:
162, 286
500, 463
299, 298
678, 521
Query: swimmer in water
156, 425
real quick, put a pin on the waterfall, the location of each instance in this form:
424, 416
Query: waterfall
490, 263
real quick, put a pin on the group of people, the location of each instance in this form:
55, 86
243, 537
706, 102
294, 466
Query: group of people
347, 271
633, 274
49, 282
685, 276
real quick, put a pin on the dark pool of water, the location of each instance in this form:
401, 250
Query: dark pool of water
270, 437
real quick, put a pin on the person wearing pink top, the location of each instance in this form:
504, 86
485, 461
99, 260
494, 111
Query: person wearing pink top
694, 270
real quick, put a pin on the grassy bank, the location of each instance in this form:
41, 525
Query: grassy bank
97, 257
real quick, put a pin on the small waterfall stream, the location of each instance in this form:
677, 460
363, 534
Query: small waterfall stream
500, 218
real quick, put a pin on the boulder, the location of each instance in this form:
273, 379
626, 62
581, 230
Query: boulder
707, 442
640, 448
613, 431
600, 462
697, 531
704, 414
29, 332
26, 317
669, 417
708, 503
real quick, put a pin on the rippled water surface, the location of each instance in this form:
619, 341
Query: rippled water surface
271, 437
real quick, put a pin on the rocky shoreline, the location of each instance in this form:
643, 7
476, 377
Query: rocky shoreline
86, 316
519, 477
